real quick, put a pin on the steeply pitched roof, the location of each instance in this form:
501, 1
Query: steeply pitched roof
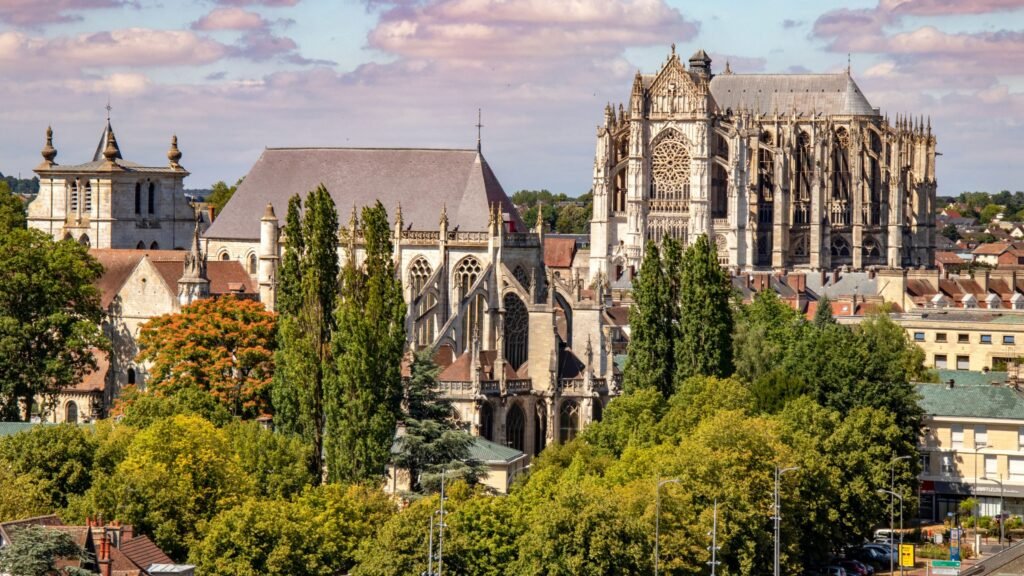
423, 181
559, 252
143, 552
992, 248
830, 94
118, 265
224, 275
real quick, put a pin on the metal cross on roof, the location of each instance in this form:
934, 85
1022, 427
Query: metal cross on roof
478, 129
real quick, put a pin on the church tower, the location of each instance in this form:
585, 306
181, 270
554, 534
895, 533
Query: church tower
268, 258
194, 285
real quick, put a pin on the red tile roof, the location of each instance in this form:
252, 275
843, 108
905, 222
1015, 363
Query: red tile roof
559, 252
461, 370
95, 380
143, 552
948, 258
223, 274
992, 248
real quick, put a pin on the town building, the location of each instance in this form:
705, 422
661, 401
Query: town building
957, 339
111, 202
972, 443
782, 171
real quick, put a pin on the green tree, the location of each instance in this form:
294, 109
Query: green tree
988, 213
12, 209
24, 495
764, 334
220, 193
823, 313
277, 462
343, 518
397, 549
35, 551
572, 219
61, 456
630, 419
49, 318
950, 232
651, 329
139, 409
365, 394
308, 296
704, 345
224, 346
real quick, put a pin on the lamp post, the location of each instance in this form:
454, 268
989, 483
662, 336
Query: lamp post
714, 540
778, 513
1002, 520
892, 488
657, 518
894, 495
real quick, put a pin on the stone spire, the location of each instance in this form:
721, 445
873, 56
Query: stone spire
174, 155
49, 152
111, 153
194, 285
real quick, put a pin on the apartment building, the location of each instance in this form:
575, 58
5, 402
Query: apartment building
966, 339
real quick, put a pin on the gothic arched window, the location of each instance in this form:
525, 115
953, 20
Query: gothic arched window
598, 411
88, 196
515, 428
419, 273
522, 277
568, 421
466, 274
152, 198
131, 376
719, 192
670, 168
540, 429
487, 421
84, 240
871, 250
252, 264
840, 247
141, 245
154, 246
71, 413
138, 198
225, 256
517, 331
804, 178
73, 200
840, 211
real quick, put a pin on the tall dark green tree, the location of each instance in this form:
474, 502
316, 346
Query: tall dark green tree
12, 209
651, 328
823, 313
49, 318
364, 398
307, 298
704, 346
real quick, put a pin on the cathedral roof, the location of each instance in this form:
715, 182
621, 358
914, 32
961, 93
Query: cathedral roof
830, 94
423, 180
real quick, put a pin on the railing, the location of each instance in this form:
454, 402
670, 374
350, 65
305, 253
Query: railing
720, 222
461, 389
521, 240
421, 236
524, 385
468, 236
663, 205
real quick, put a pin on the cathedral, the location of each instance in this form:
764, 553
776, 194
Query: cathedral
783, 171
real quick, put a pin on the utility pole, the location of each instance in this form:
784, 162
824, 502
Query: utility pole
440, 538
778, 514
714, 540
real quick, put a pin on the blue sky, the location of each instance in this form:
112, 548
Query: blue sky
231, 77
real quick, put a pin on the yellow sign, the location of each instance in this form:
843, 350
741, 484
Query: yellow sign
907, 555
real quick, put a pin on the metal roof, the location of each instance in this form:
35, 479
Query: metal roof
829, 94
486, 451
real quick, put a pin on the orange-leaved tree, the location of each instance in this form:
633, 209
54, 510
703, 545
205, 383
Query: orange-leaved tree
224, 346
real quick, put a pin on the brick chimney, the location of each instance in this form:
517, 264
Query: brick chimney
212, 212
103, 556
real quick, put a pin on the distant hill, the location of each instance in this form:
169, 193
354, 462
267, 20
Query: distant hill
24, 186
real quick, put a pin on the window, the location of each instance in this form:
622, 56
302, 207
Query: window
940, 336
963, 362
963, 338
252, 264
1007, 339
980, 436
926, 462
88, 196
487, 421
957, 435
131, 375
74, 196
991, 467
918, 336
986, 338
1016, 468
947, 465
569, 421
515, 426
151, 207
940, 362
517, 330
138, 198
670, 168
71, 413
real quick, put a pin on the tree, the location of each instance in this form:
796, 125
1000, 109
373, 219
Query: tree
12, 209
950, 231
364, 398
277, 462
764, 334
220, 193
139, 409
49, 318
60, 456
220, 345
988, 213
178, 474
823, 313
704, 346
24, 495
651, 329
343, 518
307, 299
34, 551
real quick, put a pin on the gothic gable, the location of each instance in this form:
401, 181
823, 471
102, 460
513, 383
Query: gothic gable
673, 89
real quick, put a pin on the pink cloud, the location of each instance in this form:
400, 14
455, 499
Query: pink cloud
230, 18
948, 7
269, 3
32, 13
131, 47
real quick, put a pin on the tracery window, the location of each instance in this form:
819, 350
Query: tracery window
722, 247
517, 331
719, 192
765, 180
839, 212
423, 303
801, 249
619, 197
466, 274
515, 428
804, 177
670, 168
840, 247
872, 250
568, 421
522, 277
487, 421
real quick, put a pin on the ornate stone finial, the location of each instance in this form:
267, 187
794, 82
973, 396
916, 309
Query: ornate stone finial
444, 216
353, 219
111, 152
268, 213
673, 49
728, 68
540, 218
49, 152
479, 127
174, 155
849, 65
398, 215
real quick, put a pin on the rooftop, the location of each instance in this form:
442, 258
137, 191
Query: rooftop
806, 94
486, 451
973, 395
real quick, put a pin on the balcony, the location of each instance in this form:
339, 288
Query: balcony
680, 206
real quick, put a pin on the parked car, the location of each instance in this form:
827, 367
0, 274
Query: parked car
834, 570
870, 554
856, 567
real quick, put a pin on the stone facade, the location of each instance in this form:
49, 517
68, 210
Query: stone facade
782, 171
111, 202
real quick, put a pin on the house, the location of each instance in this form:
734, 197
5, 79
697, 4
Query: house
502, 465
1000, 254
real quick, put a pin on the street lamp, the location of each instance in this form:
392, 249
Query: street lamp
778, 512
894, 495
892, 488
657, 517
1002, 520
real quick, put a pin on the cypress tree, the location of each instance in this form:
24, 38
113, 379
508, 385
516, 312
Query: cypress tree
823, 314
704, 345
308, 291
651, 329
364, 398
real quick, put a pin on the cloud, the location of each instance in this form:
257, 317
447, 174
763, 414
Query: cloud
230, 18
131, 47
34, 13
739, 64
948, 7
790, 24
268, 3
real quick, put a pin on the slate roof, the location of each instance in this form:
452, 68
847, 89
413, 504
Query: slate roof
972, 396
830, 94
486, 451
422, 180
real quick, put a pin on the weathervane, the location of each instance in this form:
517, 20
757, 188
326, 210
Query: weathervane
478, 127
108, 108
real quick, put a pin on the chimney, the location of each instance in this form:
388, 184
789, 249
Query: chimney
103, 556
951, 383
212, 212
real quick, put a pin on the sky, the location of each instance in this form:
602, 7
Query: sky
232, 77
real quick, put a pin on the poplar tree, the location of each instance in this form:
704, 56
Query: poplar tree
704, 345
365, 393
307, 296
651, 328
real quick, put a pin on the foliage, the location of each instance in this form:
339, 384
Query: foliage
27, 186
220, 193
306, 301
35, 550
704, 344
765, 332
562, 214
139, 409
630, 419
220, 345
49, 318
950, 232
423, 399
277, 462
177, 475
24, 495
61, 456
398, 547
363, 398
988, 213
343, 518
12, 209
652, 332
